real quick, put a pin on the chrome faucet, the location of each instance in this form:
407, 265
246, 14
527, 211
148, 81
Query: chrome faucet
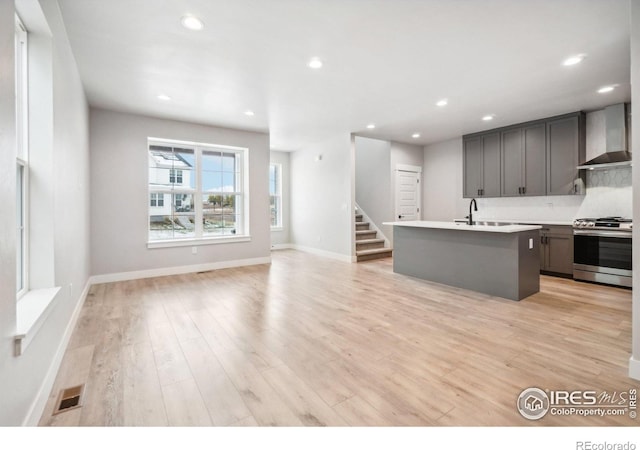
475, 208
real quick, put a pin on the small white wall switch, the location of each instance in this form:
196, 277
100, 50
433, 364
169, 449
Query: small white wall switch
194, 250
530, 243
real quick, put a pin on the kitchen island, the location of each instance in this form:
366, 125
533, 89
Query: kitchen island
501, 260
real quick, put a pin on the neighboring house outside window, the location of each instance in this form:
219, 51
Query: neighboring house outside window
175, 176
275, 195
196, 191
157, 200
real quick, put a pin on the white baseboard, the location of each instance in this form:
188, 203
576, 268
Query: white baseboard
326, 254
634, 368
178, 270
37, 407
281, 246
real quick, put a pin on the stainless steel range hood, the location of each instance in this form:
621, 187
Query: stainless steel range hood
617, 153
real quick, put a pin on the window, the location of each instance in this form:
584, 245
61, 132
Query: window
21, 254
204, 185
22, 153
175, 176
157, 200
275, 194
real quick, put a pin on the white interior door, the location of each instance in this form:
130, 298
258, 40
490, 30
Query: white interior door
408, 193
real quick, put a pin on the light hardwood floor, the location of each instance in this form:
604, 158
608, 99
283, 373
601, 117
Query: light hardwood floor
312, 341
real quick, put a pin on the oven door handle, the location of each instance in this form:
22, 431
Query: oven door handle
613, 234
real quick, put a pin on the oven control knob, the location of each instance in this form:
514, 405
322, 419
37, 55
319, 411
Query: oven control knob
591, 224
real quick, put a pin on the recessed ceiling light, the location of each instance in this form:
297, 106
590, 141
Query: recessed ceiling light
573, 60
371, 126
192, 23
315, 63
249, 113
415, 135
605, 89
442, 102
163, 97
488, 117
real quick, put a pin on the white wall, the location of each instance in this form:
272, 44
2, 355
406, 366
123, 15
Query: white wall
281, 237
442, 181
634, 364
373, 180
608, 192
119, 194
25, 381
322, 197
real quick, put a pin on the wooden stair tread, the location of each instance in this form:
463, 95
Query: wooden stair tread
365, 231
373, 251
369, 241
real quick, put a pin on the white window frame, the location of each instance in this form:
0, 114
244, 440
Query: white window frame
198, 193
22, 155
278, 195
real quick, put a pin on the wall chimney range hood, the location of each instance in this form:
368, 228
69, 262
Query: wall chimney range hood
616, 153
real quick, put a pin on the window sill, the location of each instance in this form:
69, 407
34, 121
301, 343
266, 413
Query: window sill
198, 241
277, 229
32, 311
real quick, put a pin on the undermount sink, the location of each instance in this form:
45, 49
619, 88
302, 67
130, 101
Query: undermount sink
483, 223
490, 224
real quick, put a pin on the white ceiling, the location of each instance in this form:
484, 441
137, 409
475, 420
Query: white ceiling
385, 62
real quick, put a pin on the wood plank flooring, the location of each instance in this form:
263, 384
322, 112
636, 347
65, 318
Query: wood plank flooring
315, 342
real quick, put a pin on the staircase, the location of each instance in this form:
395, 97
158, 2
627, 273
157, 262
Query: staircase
368, 245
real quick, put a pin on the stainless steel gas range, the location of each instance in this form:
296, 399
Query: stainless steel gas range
602, 250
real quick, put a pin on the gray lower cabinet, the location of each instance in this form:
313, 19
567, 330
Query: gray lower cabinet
523, 152
556, 250
482, 166
565, 151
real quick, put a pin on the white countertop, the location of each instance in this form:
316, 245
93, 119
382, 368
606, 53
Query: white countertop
465, 227
532, 222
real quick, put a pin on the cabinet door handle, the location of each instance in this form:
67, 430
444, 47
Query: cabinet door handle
524, 189
520, 190
541, 240
478, 192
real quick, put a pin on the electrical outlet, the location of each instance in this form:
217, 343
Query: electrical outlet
530, 243
194, 250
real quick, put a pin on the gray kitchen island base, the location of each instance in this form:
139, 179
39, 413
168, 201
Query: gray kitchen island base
501, 264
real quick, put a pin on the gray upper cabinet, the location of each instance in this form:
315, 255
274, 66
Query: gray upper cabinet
535, 173
523, 161
472, 167
531, 159
482, 166
512, 162
491, 165
565, 151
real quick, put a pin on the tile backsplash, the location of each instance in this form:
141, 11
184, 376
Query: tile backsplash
609, 193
